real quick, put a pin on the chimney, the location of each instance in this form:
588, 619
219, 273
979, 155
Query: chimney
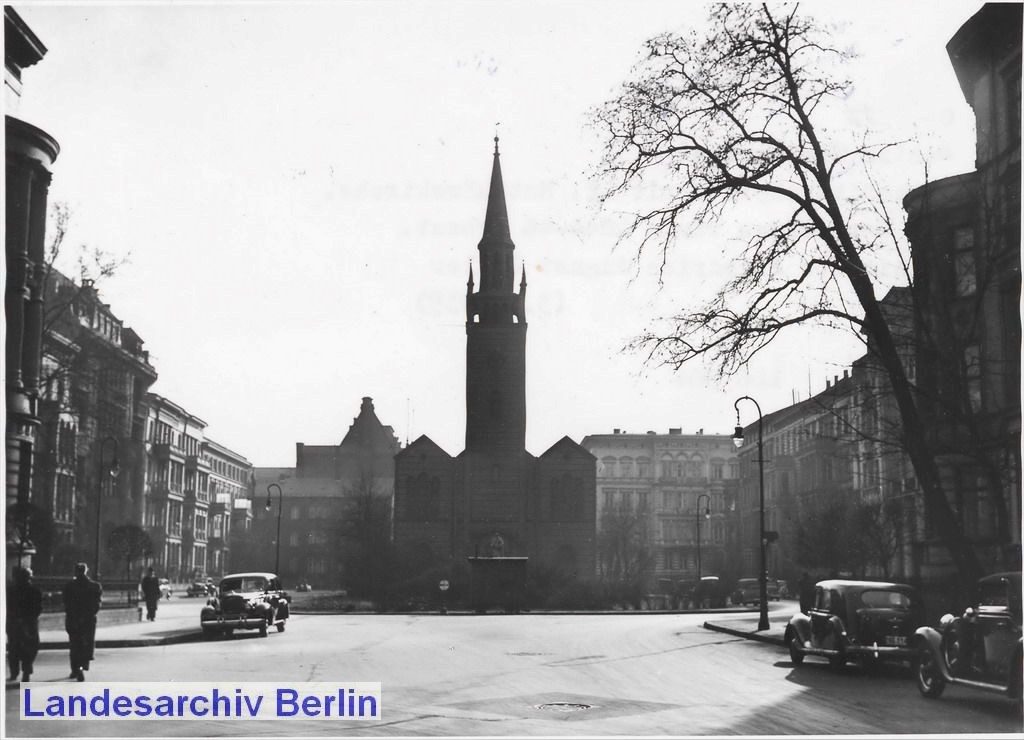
675, 430
615, 430
828, 383
846, 374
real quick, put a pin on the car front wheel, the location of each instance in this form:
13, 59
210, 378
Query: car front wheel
929, 679
795, 656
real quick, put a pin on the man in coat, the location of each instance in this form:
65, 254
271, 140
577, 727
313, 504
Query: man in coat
151, 593
24, 605
82, 597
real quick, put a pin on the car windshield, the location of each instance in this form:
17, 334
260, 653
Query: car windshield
879, 599
243, 583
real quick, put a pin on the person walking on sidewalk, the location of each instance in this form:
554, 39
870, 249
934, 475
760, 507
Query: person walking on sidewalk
151, 593
24, 605
82, 597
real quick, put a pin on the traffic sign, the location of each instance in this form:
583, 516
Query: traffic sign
444, 585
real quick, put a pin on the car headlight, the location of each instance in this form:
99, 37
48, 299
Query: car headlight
947, 619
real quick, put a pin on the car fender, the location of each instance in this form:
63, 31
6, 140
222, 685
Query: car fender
801, 625
930, 639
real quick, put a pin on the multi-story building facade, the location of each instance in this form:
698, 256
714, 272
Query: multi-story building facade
195, 491
965, 237
94, 377
334, 506
30, 154
230, 511
655, 493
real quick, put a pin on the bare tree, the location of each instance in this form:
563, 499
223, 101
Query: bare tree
730, 120
625, 555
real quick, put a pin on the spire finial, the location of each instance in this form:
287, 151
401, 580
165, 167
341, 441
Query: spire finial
496, 136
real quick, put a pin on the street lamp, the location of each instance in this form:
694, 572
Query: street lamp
737, 438
280, 506
707, 515
112, 471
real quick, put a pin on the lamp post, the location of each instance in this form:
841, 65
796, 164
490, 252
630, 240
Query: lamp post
112, 471
707, 515
280, 506
737, 438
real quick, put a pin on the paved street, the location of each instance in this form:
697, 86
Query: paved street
643, 674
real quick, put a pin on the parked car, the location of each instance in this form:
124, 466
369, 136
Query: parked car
861, 620
748, 591
982, 648
165, 588
304, 587
709, 593
247, 601
201, 588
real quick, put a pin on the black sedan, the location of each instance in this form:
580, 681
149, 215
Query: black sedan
861, 620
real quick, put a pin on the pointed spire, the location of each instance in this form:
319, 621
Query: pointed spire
470, 281
496, 220
522, 283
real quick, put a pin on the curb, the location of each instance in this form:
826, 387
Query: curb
746, 635
178, 639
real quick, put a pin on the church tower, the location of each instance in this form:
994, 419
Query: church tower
496, 336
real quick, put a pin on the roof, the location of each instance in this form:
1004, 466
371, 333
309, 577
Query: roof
841, 585
367, 430
567, 445
496, 229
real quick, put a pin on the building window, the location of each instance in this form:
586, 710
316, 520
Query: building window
643, 467
626, 466
963, 261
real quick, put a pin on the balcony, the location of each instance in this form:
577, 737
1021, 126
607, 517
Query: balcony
162, 451
197, 462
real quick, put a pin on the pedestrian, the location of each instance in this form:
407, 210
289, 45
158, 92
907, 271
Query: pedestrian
24, 605
151, 593
82, 598
806, 586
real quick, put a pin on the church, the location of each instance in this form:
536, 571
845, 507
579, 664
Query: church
495, 498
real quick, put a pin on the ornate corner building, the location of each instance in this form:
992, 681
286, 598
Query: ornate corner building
449, 508
965, 236
30, 154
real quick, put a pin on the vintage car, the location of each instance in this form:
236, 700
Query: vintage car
200, 588
982, 648
246, 601
709, 593
748, 591
863, 620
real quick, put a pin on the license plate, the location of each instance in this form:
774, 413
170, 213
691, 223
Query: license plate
897, 640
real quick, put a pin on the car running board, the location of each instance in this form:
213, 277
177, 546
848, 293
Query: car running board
983, 685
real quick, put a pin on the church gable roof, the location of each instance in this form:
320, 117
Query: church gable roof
566, 446
423, 445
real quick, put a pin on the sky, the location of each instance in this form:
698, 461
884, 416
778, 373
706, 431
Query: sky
299, 188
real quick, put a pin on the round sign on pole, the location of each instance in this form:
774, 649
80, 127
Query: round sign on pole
444, 585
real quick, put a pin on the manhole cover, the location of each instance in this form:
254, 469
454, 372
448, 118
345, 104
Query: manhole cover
564, 706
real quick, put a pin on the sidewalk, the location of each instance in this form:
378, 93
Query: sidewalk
177, 620
746, 627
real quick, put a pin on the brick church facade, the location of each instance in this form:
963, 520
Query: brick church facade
495, 498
